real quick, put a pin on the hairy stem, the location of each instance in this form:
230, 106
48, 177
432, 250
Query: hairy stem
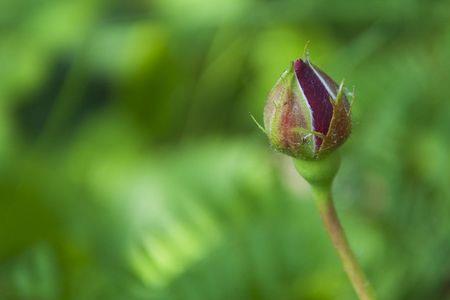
334, 228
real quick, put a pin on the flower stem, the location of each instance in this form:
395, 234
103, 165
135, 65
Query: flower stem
334, 228
320, 174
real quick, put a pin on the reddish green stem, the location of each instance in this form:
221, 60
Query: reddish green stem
334, 228
320, 174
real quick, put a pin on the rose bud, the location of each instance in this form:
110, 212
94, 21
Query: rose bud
307, 114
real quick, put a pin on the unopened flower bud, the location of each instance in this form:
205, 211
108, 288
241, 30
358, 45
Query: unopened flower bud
307, 114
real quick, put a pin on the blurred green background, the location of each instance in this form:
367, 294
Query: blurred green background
130, 168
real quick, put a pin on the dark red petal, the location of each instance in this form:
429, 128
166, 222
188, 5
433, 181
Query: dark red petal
317, 96
333, 86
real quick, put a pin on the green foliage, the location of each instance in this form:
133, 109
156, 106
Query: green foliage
130, 168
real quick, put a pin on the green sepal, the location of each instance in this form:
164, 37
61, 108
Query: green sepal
340, 125
287, 89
